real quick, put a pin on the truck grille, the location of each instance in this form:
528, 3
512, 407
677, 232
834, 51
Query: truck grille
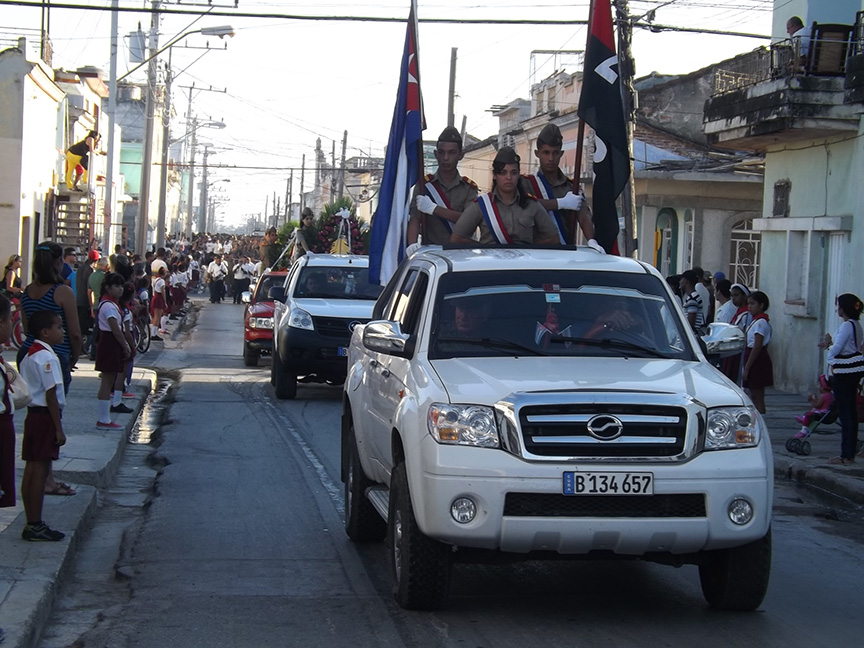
335, 327
604, 506
562, 430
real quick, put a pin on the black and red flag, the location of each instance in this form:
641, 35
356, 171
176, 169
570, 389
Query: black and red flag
601, 107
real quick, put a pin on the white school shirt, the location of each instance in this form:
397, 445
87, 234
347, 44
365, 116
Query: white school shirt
108, 310
763, 328
41, 369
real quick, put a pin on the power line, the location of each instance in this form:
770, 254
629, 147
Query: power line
300, 17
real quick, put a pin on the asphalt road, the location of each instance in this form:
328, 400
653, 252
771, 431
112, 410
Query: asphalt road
241, 544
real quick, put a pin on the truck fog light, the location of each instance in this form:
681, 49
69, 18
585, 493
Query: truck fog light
463, 510
740, 511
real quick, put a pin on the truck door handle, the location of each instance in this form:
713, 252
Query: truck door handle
385, 373
373, 363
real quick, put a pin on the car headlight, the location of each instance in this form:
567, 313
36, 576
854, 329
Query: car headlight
261, 322
301, 319
732, 427
472, 425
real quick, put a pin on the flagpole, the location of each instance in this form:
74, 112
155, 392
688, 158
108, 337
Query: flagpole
580, 138
421, 171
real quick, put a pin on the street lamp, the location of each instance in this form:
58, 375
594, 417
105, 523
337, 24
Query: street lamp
222, 31
144, 196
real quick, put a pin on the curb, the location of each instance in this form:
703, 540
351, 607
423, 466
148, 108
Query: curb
34, 570
822, 477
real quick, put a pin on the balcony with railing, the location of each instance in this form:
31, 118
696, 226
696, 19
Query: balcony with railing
799, 89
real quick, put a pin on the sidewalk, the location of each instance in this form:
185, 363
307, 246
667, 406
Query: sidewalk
29, 572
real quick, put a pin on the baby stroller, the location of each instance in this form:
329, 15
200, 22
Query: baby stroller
799, 444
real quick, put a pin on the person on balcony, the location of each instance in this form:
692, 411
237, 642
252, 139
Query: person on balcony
78, 160
799, 34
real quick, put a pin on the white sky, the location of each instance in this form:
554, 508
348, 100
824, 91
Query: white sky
289, 82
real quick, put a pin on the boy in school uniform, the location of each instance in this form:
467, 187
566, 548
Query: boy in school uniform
43, 430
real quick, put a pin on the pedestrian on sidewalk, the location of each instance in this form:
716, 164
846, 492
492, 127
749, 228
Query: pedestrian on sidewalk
47, 291
43, 427
216, 273
112, 351
7, 409
847, 368
158, 319
758, 368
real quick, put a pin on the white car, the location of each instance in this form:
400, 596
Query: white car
323, 298
536, 402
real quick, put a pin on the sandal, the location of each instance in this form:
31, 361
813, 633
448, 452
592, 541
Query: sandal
61, 489
840, 461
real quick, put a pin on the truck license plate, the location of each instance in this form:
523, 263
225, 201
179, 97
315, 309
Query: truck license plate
608, 483
342, 351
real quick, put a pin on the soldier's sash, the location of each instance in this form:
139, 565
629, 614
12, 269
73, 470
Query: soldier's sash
493, 219
543, 189
440, 199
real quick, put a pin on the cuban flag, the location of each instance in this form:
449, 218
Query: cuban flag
602, 108
402, 165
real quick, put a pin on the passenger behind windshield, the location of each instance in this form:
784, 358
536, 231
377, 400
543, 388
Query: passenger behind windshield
347, 282
541, 316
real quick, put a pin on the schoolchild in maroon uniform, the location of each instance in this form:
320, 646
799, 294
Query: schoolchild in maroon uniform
554, 190
758, 369
445, 193
7, 409
506, 215
43, 428
112, 350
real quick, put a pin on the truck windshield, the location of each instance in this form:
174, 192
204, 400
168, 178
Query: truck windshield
556, 313
343, 282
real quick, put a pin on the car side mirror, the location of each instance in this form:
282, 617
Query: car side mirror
722, 340
246, 297
276, 293
387, 337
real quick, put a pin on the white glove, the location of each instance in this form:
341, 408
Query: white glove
592, 243
425, 204
570, 201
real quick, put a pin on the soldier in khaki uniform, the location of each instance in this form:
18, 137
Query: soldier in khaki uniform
554, 190
445, 193
506, 215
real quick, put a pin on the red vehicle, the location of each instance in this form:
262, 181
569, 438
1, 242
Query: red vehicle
258, 318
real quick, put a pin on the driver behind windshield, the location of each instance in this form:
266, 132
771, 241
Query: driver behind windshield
315, 283
470, 318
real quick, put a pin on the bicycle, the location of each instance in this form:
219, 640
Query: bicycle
17, 337
141, 331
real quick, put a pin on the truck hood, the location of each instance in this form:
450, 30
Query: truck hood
360, 309
487, 380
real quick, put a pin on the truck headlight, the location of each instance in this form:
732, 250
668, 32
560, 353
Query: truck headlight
732, 427
472, 425
261, 322
301, 319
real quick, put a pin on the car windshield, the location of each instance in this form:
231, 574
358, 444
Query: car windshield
264, 284
556, 313
343, 282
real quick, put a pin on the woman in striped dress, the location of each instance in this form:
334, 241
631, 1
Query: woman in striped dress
49, 292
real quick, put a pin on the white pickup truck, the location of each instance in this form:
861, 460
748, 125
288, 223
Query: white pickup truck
537, 402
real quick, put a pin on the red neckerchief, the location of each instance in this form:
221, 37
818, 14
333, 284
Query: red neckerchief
37, 346
111, 299
740, 311
760, 316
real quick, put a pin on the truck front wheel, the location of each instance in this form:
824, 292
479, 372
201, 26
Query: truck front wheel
420, 566
737, 578
284, 382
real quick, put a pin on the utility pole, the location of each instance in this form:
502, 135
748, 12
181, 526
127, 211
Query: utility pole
303, 185
110, 203
163, 167
342, 170
147, 160
275, 211
333, 173
288, 197
451, 96
202, 217
626, 69
190, 190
